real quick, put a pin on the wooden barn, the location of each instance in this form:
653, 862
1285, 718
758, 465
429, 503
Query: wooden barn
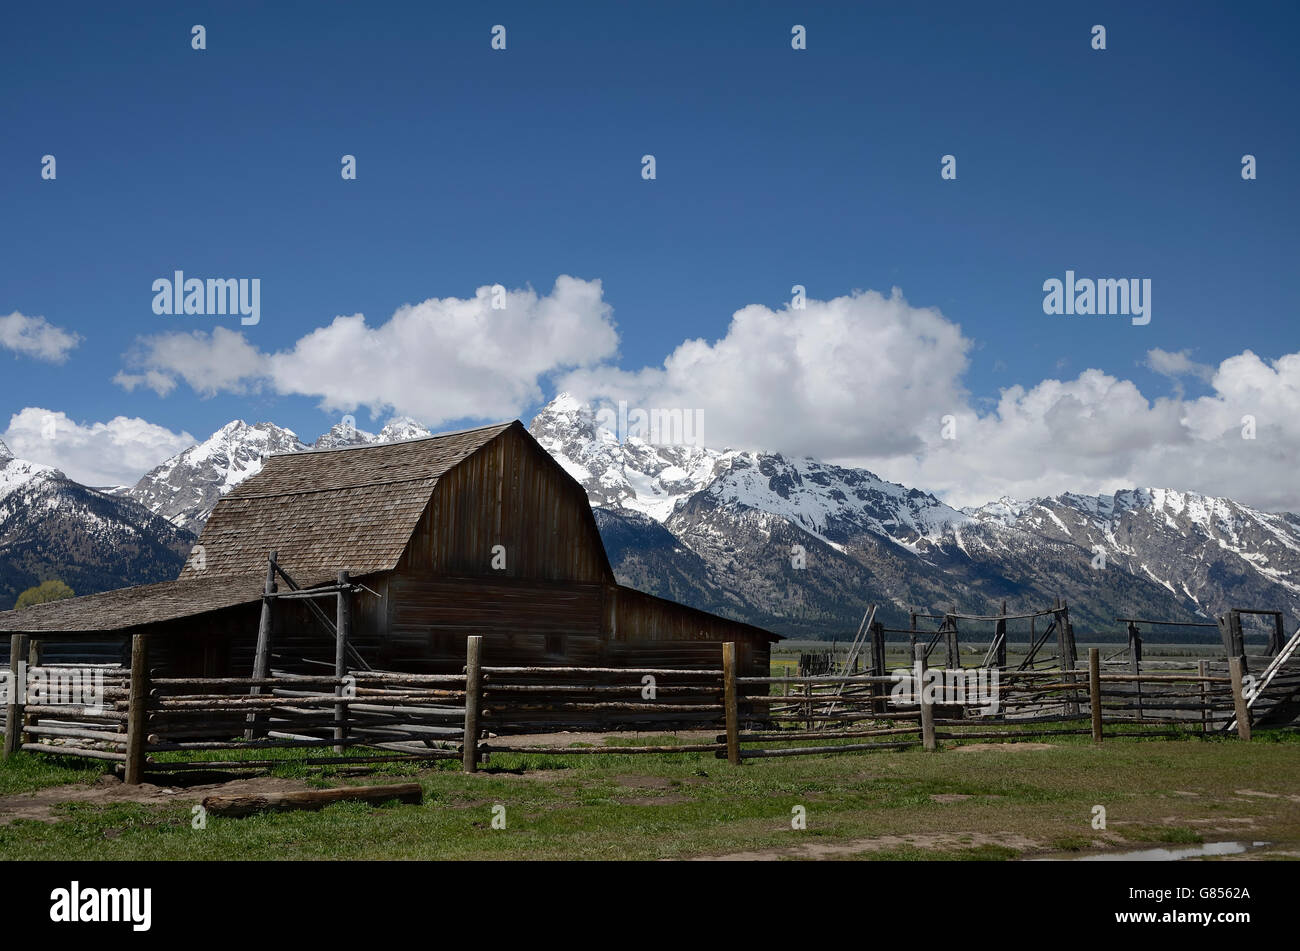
471, 532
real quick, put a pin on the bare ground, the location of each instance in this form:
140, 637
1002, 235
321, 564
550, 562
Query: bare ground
107, 790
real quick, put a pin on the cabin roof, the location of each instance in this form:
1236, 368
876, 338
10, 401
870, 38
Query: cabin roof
353, 508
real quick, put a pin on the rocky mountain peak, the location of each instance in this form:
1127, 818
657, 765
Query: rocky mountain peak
186, 487
402, 428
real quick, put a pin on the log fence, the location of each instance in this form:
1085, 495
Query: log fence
150, 724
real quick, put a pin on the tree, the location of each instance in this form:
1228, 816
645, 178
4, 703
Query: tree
52, 590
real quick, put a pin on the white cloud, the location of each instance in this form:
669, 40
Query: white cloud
36, 337
857, 374
117, 452
1177, 364
866, 380
222, 361
441, 360
1097, 433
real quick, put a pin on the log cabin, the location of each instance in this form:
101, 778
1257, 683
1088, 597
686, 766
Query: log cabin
479, 531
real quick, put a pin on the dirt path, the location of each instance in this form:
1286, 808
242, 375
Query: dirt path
939, 841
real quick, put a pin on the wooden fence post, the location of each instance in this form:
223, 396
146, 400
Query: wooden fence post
1203, 671
342, 631
137, 713
1000, 635
923, 697
950, 642
262, 656
14, 702
1235, 667
730, 704
473, 693
878, 665
1237, 638
1094, 691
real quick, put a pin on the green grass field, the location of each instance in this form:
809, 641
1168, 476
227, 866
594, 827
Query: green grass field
1004, 802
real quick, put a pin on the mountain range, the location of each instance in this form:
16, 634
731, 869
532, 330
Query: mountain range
799, 546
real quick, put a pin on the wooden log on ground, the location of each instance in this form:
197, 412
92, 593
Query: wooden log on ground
311, 799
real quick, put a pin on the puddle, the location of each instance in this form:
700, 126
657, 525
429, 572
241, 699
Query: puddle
1171, 855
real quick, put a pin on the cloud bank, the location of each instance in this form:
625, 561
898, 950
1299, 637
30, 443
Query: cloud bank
440, 360
863, 379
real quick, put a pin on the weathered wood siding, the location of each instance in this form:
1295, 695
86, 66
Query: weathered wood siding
508, 493
649, 631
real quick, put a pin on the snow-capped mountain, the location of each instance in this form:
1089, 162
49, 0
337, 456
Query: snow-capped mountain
836, 504
15, 473
1213, 552
52, 527
186, 487
825, 500
345, 434
401, 429
801, 546
635, 475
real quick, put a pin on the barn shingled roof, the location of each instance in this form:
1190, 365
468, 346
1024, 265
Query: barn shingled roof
321, 510
129, 607
328, 509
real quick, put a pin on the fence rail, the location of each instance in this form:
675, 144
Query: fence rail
152, 724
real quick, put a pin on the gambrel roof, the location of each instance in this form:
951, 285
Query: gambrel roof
327, 509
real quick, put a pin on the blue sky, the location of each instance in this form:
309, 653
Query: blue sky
774, 167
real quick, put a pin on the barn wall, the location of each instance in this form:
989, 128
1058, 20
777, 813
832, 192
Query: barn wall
523, 621
554, 623
508, 493
649, 631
